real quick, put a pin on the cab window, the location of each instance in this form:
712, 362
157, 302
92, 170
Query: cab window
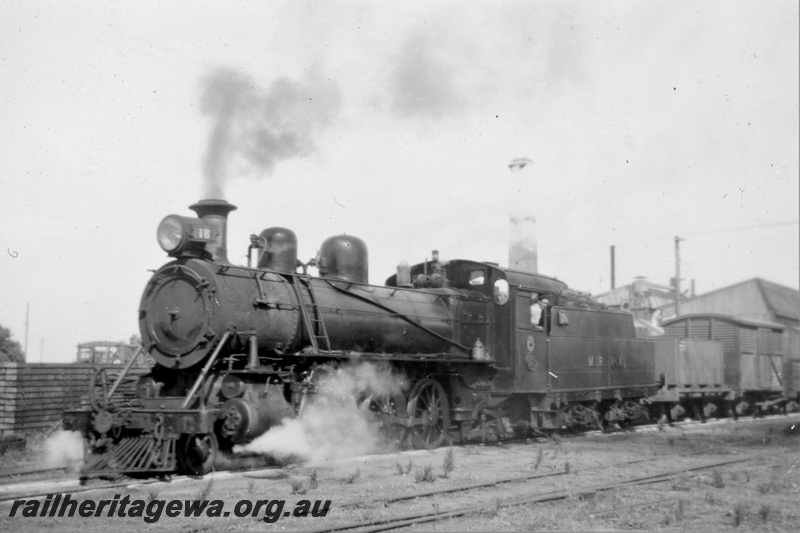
523, 301
477, 277
500, 291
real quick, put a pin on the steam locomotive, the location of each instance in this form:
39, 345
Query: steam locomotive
486, 352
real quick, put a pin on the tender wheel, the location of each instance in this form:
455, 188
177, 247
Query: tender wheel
584, 417
392, 405
699, 411
734, 413
666, 413
428, 404
197, 453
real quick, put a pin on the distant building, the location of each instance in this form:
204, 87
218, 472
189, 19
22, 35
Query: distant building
756, 299
644, 300
111, 353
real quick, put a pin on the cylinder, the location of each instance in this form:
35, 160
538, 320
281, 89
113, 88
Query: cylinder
243, 419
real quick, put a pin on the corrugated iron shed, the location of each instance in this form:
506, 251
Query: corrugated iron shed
754, 299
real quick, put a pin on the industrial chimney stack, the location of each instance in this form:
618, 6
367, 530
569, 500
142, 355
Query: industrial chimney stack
522, 242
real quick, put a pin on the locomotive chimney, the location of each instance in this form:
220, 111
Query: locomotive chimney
215, 214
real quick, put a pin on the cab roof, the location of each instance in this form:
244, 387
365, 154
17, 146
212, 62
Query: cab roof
457, 269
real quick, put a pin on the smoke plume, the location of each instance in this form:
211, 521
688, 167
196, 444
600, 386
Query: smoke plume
332, 424
64, 448
254, 128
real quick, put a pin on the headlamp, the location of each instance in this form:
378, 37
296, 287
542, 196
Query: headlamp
175, 233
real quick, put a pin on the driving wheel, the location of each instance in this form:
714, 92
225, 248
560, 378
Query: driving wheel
428, 408
380, 407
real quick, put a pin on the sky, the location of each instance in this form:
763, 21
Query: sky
394, 123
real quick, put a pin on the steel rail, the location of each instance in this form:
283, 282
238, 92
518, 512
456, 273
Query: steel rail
74, 490
481, 484
633, 506
383, 524
127, 482
26, 472
512, 479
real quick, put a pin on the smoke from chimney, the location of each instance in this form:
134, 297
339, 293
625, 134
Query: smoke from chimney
254, 129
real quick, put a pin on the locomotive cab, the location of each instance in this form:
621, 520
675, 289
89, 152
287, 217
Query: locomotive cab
486, 280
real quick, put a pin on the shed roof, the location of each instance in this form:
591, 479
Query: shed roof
781, 300
729, 318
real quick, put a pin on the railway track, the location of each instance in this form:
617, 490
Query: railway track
580, 486
74, 485
399, 521
22, 472
473, 486
71, 483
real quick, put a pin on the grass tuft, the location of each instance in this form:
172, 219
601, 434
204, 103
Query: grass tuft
449, 463
494, 510
679, 510
739, 512
538, 459
470, 450
205, 491
297, 486
424, 475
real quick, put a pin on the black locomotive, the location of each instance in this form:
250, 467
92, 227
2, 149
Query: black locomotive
486, 352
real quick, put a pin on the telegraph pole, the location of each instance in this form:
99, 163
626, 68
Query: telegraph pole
678, 275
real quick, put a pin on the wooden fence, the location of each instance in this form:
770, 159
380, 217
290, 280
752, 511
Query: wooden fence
34, 396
